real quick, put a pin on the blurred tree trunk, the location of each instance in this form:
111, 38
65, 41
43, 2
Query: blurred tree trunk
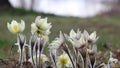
4, 3
32, 4
23, 3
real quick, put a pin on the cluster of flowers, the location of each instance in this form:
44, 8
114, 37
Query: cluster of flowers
81, 54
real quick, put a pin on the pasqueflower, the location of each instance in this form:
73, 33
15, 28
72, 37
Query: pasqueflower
16, 27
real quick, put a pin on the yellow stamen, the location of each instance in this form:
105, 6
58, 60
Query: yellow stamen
15, 28
63, 59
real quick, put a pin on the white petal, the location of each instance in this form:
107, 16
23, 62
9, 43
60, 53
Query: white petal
82, 40
22, 26
37, 18
10, 28
93, 35
76, 43
48, 32
33, 28
72, 34
85, 35
78, 34
61, 36
46, 26
67, 37
13, 23
44, 20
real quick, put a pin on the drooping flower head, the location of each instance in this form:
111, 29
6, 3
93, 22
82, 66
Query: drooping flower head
41, 27
16, 27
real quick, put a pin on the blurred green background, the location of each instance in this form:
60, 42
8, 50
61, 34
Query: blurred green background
106, 26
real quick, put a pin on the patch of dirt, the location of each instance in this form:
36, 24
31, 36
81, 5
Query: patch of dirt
13, 63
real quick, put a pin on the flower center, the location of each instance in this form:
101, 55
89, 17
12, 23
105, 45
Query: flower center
15, 28
40, 29
63, 60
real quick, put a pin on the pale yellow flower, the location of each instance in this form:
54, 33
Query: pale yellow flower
63, 61
41, 27
16, 27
